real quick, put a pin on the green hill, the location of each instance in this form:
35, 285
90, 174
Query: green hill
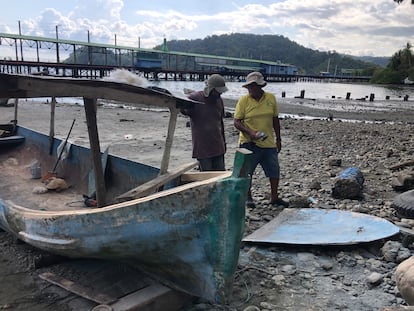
272, 48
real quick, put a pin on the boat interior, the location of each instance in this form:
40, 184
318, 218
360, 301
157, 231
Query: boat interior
31, 162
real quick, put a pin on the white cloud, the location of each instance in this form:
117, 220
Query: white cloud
378, 27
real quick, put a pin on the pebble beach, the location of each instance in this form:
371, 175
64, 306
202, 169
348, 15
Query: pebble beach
314, 136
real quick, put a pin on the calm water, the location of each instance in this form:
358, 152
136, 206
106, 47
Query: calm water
325, 94
312, 90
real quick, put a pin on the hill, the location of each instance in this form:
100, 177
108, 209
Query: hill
272, 48
380, 61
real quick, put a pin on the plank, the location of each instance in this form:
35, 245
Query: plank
152, 185
83, 291
35, 86
154, 297
200, 176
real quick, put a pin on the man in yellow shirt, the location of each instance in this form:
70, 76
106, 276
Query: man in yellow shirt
257, 118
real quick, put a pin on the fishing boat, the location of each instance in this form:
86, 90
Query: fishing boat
181, 226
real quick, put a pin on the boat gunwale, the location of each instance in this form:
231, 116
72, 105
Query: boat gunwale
41, 213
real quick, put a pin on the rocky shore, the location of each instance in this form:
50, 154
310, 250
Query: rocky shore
275, 277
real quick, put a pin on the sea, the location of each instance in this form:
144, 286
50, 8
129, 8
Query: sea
314, 90
322, 95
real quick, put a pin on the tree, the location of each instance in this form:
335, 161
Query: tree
399, 68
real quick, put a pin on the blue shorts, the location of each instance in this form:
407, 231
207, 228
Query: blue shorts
266, 157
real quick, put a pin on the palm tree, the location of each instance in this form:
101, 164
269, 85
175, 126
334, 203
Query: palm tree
407, 54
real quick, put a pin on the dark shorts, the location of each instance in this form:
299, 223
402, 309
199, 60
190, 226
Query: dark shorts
212, 164
266, 157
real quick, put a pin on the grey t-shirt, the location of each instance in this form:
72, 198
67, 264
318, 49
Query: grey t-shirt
207, 126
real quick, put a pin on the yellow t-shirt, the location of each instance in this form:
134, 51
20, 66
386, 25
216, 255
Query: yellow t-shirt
258, 116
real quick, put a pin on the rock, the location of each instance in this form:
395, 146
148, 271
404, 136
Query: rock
39, 190
315, 185
404, 276
299, 202
348, 184
390, 250
375, 278
57, 184
403, 254
288, 269
279, 279
403, 182
326, 265
334, 162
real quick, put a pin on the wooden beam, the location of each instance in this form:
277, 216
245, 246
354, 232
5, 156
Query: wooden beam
52, 124
90, 105
168, 142
152, 185
154, 297
85, 292
200, 176
36, 86
16, 104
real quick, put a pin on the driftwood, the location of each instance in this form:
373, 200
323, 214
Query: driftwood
401, 165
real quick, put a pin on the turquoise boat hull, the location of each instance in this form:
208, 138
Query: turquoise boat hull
186, 236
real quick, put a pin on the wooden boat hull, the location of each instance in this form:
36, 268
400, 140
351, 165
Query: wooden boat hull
188, 237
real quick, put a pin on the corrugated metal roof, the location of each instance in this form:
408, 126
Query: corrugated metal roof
251, 68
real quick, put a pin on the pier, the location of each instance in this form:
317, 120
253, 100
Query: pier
94, 61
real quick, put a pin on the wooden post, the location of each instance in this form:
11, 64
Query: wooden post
52, 124
169, 140
90, 111
16, 103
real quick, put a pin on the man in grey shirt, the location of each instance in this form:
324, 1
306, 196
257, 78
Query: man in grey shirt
207, 127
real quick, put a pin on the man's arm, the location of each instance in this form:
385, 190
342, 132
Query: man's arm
238, 124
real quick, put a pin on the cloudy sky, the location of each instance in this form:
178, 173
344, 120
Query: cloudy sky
364, 27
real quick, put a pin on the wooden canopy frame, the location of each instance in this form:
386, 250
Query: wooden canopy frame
23, 86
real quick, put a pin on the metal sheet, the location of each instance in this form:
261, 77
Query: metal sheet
312, 226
